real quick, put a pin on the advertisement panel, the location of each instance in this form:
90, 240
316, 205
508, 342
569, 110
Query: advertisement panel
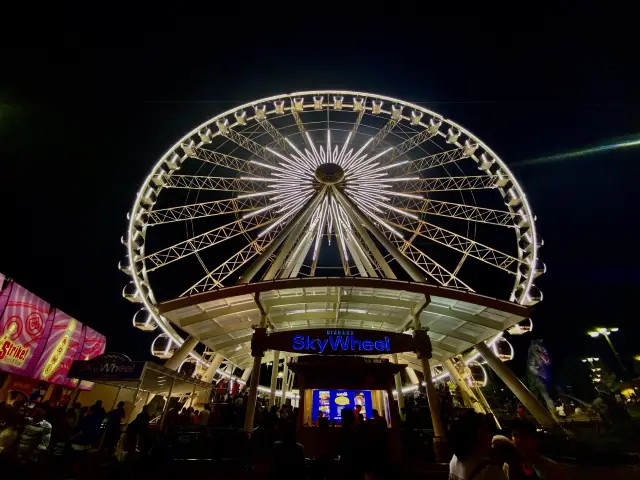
94, 345
5, 291
331, 402
22, 328
62, 346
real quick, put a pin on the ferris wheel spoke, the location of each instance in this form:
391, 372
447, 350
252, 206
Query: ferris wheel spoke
206, 209
455, 210
273, 132
215, 278
382, 133
250, 145
203, 182
208, 239
443, 184
224, 160
414, 141
432, 161
432, 268
457, 242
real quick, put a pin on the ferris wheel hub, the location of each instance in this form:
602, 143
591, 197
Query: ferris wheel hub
329, 173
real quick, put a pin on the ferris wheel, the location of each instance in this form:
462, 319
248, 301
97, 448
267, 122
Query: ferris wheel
311, 173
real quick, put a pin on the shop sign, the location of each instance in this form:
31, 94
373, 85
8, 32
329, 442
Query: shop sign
106, 366
339, 342
12, 353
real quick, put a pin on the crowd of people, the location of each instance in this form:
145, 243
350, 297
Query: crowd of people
54, 433
480, 456
358, 448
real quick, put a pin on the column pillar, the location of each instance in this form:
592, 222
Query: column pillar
434, 406
211, 370
531, 403
182, 353
413, 378
285, 380
465, 390
253, 387
395, 445
439, 439
166, 405
274, 379
398, 380
246, 374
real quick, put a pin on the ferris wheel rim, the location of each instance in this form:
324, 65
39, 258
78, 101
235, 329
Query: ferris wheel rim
149, 301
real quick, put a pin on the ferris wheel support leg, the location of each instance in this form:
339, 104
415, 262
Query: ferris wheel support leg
465, 390
377, 255
413, 378
286, 249
274, 378
403, 261
182, 353
539, 411
211, 370
300, 218
398, 379
246, 374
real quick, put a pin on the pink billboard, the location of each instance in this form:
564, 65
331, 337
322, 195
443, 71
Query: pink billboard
62, 347
22, 327
5, 291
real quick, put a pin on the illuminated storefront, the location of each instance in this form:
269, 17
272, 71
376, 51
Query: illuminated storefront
38, 344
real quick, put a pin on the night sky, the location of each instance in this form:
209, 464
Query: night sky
80, 128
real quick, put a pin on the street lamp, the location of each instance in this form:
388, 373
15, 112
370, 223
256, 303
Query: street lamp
595, 378
590, 359
605, 332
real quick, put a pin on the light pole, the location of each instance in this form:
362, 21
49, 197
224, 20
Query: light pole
596, 376
605, 332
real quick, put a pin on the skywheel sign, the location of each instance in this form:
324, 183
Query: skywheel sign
340, 342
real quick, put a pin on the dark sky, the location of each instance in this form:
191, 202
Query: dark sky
80, 127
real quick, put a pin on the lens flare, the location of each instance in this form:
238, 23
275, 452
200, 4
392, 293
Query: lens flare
579, 153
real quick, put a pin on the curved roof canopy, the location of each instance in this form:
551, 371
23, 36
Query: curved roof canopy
222, 319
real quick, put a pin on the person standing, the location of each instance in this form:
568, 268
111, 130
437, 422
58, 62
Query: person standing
35, 437
112, 428
471, 446
204, 415
532, 465
99, 409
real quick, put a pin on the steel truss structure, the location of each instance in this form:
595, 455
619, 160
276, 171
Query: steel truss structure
300, 184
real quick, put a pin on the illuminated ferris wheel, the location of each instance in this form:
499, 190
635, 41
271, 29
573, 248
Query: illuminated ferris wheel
325, 184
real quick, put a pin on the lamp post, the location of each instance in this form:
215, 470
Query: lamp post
605, 332
596, 376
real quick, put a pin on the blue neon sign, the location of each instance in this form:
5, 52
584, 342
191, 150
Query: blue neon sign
339, 340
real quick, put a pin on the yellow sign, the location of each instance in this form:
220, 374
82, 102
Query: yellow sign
59, 352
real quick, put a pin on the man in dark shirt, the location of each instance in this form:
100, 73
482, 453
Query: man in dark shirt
112, 428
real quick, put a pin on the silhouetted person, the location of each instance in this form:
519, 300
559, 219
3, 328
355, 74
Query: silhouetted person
288, 455
504, 455
112, 427
350, 447
471, 439
203, 418
532, 465
99, 409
